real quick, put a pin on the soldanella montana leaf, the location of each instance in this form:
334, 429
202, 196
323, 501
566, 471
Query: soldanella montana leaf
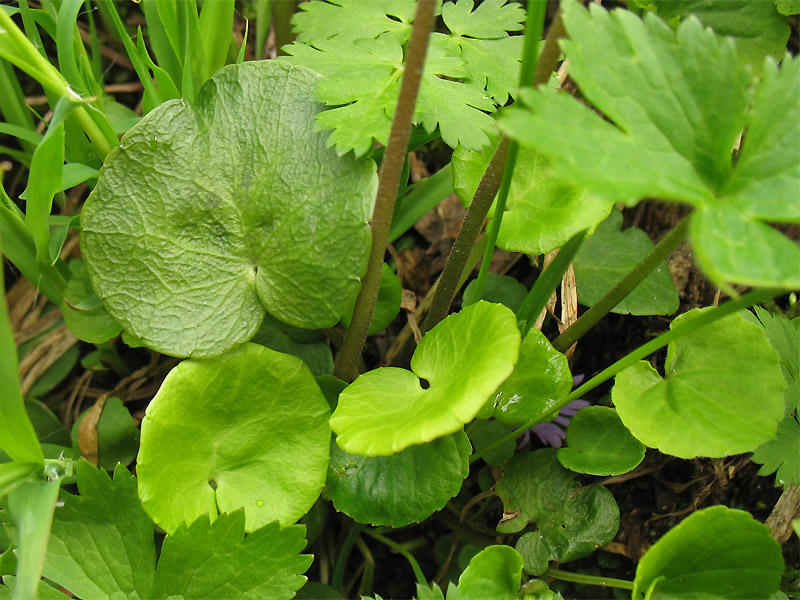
676, 105
208, 215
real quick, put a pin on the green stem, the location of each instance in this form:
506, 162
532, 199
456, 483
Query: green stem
686, 328
400, 549
529, 74
547, 282
344, 554
467, 236
626, 285
589, 579
346, 367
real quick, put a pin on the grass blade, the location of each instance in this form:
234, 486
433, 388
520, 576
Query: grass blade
14, 474
216, 24
263, 17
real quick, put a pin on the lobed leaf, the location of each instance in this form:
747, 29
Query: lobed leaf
189, 244
722, 393
246, 429
571, 521
463, 360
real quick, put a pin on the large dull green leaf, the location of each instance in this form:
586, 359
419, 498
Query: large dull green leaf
608, 255
246, 429
101, 544
215, 560
571, 521
400, 489
716, 552
542, 213
541, 378
187, 243
722, 393
495, 572
676, 103
758, 29
462, 361
599, 444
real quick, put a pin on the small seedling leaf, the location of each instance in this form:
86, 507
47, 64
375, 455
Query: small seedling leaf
599, 444
608, 255
101, 544
571, 521
187, 243
427, 476
246, 429
722, 393
215, 560
541, 378
462, 361
542, 213
716, 552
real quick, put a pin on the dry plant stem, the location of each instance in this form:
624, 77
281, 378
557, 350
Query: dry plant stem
467, 235
346, 367
626, 285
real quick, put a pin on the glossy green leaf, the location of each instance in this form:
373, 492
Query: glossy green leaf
716, 552
400, 489
269, 221
542, 213
495, 572
485, 434
31, 505
387, 306
608, 255
571, 521
500, 289
17, 436
117, 435
540, 379
463, 360
246, 429
675, 103
309, 346
93, 324
599, 444
101, 544
215, 560
722, 393
758, 29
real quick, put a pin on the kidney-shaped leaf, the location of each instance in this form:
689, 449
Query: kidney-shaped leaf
463, 360
208, 213
599, 444
716, 552
248, 429
404, 488
722, 394
571, 521
495, 572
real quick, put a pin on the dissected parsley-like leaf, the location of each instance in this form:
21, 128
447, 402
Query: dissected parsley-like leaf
781, 455
101, 543
357, 47
215, 560
676, 103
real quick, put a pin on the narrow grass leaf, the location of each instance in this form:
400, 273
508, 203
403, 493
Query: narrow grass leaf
216, 23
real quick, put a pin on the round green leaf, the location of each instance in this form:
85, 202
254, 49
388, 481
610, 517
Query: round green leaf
716, 552
117, 435
540, 379
400, 489
390, 295
462, 361
207, 214
309, 346
495, 572
542, 214
246, 429
722, 394
501, 289
599, 444
610, 254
